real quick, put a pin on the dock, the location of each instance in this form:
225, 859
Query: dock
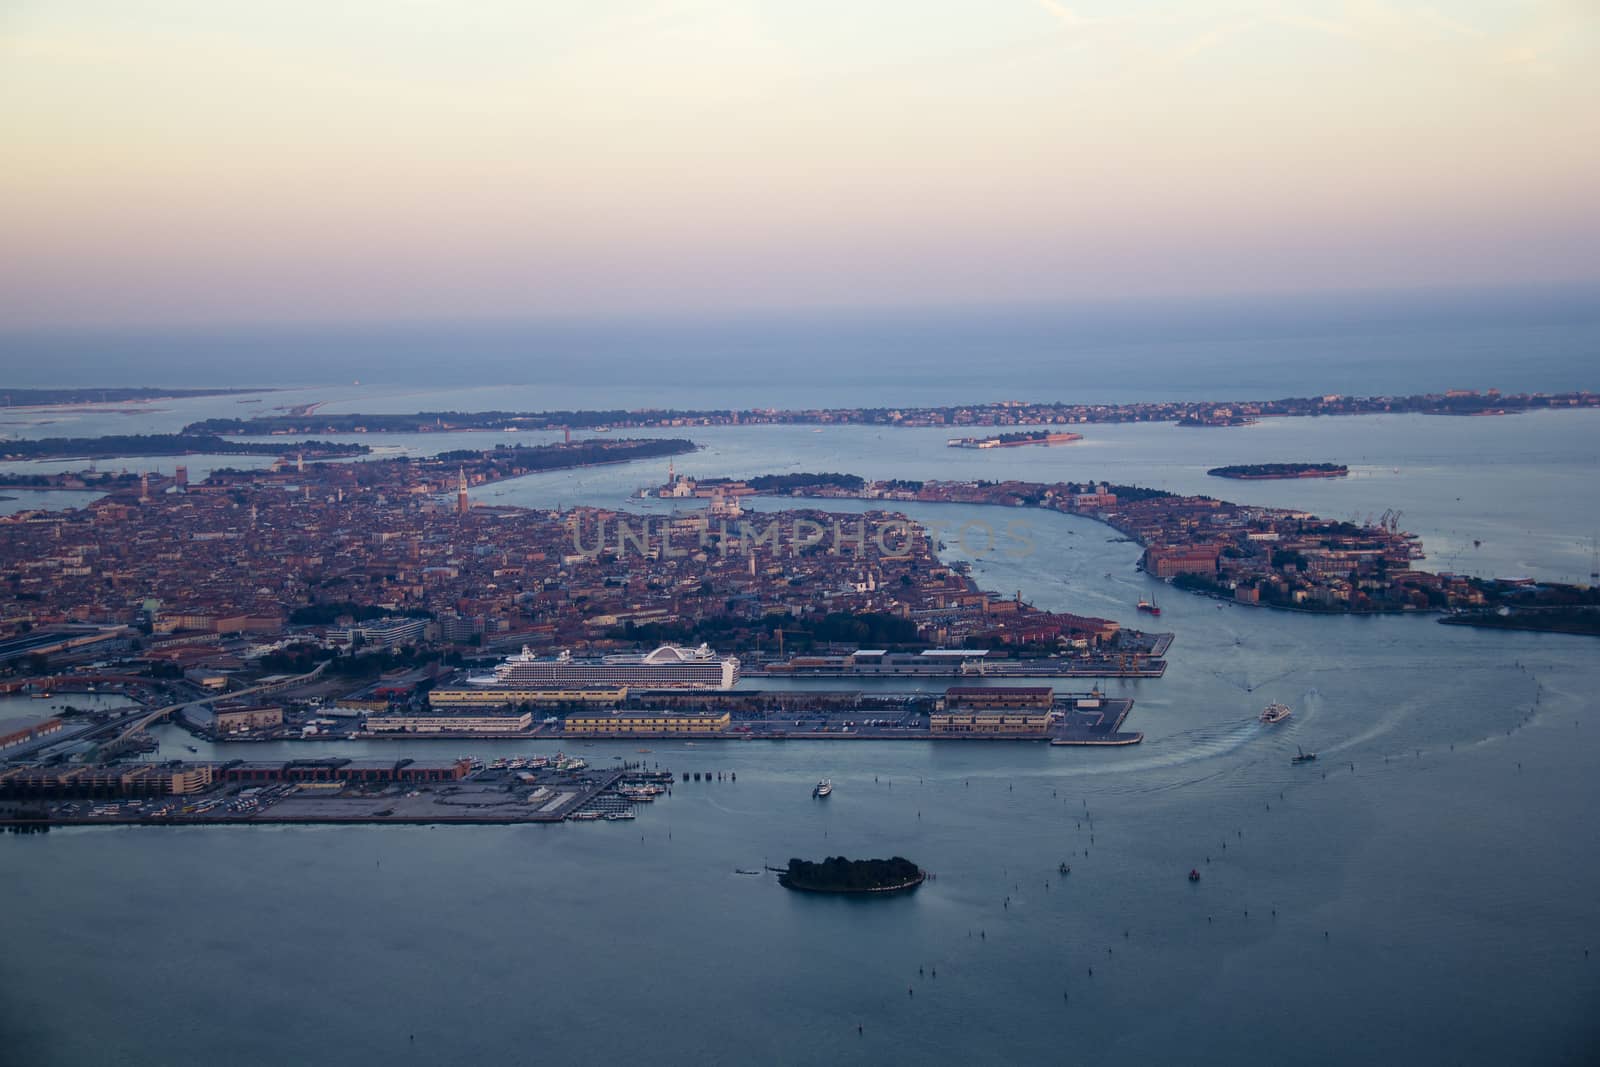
491, 796
1096, 727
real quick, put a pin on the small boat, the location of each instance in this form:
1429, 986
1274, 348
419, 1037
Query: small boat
1275, 713
1194, 875
1303, 756
822, 788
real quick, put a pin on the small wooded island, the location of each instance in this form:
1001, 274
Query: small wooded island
1251, 471
839, 875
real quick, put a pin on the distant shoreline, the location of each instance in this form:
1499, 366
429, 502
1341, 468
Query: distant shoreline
89, 399
1002, 417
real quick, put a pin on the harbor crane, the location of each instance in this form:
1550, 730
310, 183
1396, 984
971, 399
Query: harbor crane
780, 632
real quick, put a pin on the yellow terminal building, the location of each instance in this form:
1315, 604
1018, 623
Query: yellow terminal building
490, 696
646, 723
996, 723
1000, 711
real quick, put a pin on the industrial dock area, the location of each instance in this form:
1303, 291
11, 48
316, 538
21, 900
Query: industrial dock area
964, 712
466, 790
50, 790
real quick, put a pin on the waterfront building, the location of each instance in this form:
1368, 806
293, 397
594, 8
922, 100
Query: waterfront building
646, 723
339, 769
15, 732
497, 696
990, 723
1171, 561
150, 779
451, 724
999, 698
230, 720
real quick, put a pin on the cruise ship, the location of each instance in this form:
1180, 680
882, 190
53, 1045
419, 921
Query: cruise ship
668, 667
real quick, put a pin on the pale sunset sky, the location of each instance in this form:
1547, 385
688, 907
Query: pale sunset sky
206, 162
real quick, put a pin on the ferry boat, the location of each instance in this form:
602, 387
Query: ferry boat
1303, 756
822, 788
1275, 713
1149, 607
668, 667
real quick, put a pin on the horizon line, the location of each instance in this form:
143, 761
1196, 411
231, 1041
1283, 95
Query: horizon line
1367, 297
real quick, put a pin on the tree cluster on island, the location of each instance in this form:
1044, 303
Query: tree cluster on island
785, 483
168, 444
1556, 620
566, 454
839, 875
106, 480
1280, 470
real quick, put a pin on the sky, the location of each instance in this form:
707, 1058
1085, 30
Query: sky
179, 162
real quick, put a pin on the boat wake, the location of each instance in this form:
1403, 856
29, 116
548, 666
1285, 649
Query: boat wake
1186, 748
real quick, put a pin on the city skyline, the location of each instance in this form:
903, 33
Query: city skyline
190, 164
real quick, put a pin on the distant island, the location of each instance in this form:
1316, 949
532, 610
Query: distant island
1015, 440
1264, 471
509, 461
109, 395
1571, 619
839, 875
169, 444
993, 417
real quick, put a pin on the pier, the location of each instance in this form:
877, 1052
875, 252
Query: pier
323, 792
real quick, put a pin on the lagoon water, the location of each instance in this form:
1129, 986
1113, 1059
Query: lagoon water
1422, 893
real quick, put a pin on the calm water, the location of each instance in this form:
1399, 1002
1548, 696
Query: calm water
1544, 339
1453, 885
1433, 904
